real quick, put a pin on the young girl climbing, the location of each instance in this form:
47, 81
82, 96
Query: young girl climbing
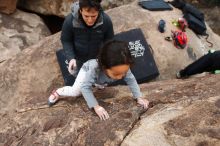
113, 63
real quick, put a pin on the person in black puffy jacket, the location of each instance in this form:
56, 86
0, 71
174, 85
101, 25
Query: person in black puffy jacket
84, 31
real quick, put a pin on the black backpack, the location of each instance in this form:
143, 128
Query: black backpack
198, 26
188, 8
195, 19
195, 24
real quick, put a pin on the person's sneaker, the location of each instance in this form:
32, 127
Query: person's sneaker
178, 75
54, 97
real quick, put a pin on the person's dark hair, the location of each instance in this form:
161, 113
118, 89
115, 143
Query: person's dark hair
90, 4
114, 53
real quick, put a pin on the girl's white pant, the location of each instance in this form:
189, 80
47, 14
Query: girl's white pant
75, 89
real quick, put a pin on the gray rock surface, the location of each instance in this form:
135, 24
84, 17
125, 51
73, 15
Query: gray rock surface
181, 113
62, 7
185, 113
18, 31
47, 7
169, 59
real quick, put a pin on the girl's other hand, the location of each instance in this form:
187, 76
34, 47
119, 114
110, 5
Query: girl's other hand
101, 112
143, 102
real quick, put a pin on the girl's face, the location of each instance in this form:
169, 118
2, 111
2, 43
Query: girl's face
117, 72
89, 15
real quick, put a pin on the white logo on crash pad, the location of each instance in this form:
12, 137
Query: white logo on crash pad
136, 48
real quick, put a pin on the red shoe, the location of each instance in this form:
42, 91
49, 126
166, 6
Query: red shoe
54, 97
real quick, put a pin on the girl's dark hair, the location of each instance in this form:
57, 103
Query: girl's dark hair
114, 53
90, 4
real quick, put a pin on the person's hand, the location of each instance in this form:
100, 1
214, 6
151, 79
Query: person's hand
72, 66
101, 112
143, 102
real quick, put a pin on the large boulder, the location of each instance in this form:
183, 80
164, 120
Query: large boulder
185, 113
47, 7
8, 6
108, 4
61, 7
168, 58
18, 31
182, 112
